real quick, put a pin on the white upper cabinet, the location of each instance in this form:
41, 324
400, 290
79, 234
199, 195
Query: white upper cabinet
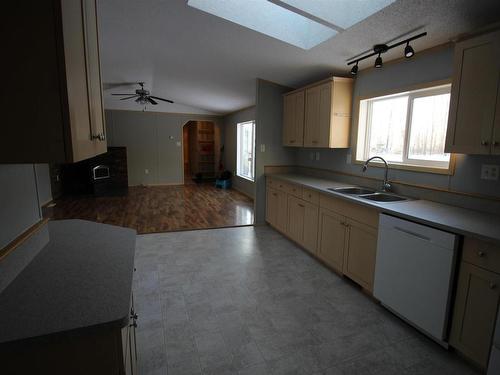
55, 113
474, 117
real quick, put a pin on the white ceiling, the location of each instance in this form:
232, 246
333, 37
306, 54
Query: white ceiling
209, 65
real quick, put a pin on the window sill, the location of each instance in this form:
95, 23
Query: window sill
450, 171
245, 178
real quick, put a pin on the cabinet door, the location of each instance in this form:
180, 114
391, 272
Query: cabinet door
474, 95
360, 253
82, 144
312, 110
495, 139
282, 212
293, 119
325, 111
310, 234
476, 304
272, 206
288, 120
331, 238
94, 85
298, 118
296, 215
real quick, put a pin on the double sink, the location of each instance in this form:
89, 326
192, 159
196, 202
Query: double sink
369, 194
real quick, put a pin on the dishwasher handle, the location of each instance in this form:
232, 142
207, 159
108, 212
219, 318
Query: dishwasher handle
411, 233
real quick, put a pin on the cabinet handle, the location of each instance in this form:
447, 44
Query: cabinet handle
494, 143
480, 254
292, 141
315, 142
493, 286
484, 143
301, 205
275, 194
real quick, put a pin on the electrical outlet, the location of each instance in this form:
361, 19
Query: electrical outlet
490, 172
263, 148
317, 155
178, 144
348, 158
146, 171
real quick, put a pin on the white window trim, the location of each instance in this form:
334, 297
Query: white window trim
360, 155
238, 152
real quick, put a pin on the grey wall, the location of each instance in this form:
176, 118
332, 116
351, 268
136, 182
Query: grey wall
43, 183
19, 199
230, 145
153, 142
425, 67
269, 120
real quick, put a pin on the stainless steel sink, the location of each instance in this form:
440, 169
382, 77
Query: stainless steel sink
382, 197
353, 190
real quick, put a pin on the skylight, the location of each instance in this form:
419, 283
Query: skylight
269, 19
341, 13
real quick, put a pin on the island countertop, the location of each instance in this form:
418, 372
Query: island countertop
82, 278
449, 218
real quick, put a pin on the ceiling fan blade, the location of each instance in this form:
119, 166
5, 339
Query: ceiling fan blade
152, 101
165, 100
130, 93
129, 97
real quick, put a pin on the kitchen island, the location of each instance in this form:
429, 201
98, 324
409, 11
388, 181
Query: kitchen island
70, 309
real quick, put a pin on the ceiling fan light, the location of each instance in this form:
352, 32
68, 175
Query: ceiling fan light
409, 52
378, 62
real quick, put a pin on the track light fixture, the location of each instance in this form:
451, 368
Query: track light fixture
379, 49
409, 52
354, 69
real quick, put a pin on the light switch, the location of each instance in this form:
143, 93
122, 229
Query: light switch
262, 147
146, 171
490, 172
178, 144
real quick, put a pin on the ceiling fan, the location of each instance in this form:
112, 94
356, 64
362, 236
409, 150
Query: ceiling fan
143, 96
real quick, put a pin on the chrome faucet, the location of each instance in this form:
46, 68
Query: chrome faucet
386, 186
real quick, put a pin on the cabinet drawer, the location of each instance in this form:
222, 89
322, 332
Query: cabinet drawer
310, 196
277, 184
294, 190
482, 254
353, 211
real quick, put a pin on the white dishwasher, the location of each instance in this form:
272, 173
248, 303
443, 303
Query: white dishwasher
414, 273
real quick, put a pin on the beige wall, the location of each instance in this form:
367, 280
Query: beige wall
154, 142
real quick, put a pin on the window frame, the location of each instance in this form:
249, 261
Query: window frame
359, 133
238, 153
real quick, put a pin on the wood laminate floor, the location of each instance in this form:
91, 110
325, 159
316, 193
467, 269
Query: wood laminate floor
161, 208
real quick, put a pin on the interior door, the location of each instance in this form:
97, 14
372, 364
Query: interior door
331, 238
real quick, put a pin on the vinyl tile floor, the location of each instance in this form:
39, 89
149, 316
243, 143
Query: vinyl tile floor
248, 301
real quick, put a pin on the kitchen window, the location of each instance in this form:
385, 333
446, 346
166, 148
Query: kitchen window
408, 129
245, 163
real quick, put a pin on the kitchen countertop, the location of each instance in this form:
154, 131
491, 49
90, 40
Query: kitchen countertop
82, 278
449, 218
